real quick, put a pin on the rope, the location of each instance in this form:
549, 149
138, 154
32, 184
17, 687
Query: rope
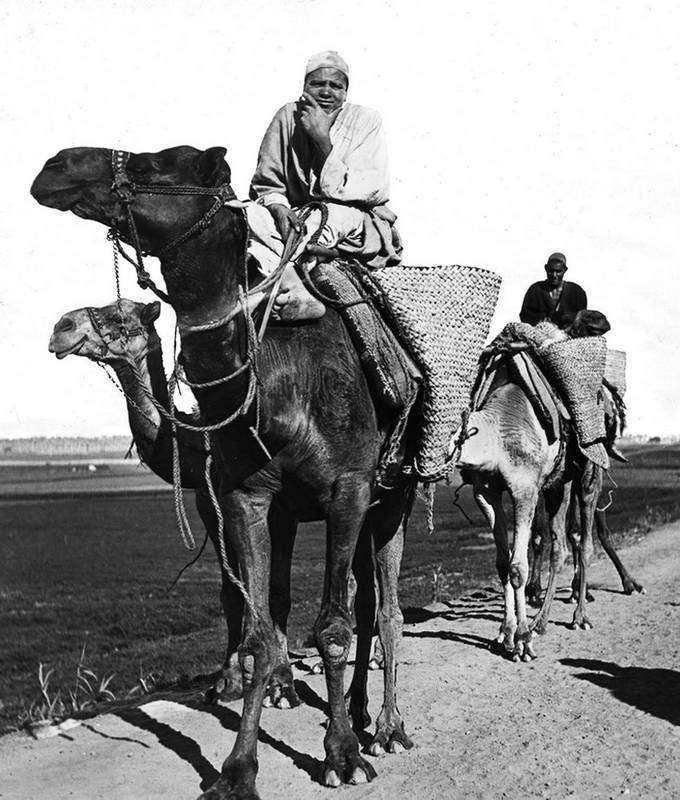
426, 494
220, 533
458, 505
189, 564
183, 523
610, 492
243, 408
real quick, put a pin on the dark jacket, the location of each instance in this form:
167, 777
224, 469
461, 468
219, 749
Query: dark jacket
538, 305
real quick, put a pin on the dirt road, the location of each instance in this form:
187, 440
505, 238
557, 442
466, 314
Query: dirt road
597, 715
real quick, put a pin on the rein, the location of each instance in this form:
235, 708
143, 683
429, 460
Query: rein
126, 191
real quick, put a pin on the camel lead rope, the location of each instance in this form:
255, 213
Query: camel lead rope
180, 510
610, 492
220, 530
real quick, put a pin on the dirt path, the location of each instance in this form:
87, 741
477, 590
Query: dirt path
596, 716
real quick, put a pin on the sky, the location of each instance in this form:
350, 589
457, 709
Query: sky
514, 130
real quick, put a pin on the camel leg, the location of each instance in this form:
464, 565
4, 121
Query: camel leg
489, 499
539, 546
524, 499
363, 600
333, 631
388, 532
245, 515
574, 536
282, 528
589, 486
557, 503
628, 582
228, 687
378, 658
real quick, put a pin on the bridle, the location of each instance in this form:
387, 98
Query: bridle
108, 337
126, 190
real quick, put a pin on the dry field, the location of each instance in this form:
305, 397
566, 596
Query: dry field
86, 559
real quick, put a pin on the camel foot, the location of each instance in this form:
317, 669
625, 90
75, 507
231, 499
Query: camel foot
222, 791
343, 762
581, 622
390, 738
280, 691
227, 688
538, 625
523, 650
574, 597
237, 782
535, 597
631, 586
506, 637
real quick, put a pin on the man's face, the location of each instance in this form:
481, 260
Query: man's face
555, 271
328, 87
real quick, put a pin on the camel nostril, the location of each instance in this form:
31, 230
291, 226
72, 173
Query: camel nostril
55, 161
64, 325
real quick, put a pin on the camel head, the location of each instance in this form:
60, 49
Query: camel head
104, 334
80, 179
202, 254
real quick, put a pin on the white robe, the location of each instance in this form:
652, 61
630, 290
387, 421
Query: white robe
354, 180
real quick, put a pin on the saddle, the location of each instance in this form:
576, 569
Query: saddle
526, 371
393, 379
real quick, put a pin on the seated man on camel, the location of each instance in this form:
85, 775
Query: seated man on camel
321, 148
553, 299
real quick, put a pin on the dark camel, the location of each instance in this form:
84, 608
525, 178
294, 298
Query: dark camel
540, 537
130, 345
316, 420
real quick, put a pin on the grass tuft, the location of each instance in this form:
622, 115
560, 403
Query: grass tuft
55, 705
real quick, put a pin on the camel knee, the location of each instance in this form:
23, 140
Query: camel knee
518, 574
333, 635
391, 620
256, 656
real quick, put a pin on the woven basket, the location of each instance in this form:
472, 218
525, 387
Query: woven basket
615, 369
443, 315
577, 366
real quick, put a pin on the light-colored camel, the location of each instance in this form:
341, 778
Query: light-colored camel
123, 336
509, 451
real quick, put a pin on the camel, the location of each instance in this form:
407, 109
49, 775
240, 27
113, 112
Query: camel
122, 335
509, 450
306, 448
539, 540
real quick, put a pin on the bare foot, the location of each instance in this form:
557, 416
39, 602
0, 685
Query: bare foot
292, 305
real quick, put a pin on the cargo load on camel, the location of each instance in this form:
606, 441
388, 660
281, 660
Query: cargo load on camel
566, 382
429, 323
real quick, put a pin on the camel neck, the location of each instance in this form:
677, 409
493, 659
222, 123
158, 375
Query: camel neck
145, 419
202, 275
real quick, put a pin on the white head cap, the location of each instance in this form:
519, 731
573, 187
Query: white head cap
327, 58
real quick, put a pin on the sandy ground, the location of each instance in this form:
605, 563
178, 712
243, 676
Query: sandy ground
597, 715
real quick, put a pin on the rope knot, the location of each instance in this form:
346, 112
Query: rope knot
123, 187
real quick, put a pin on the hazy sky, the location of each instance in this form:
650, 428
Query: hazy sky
515, 129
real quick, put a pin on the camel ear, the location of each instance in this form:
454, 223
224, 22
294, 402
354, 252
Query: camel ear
150, 313
212, 167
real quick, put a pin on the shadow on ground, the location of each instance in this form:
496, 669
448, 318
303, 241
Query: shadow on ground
188, 750
655, 691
